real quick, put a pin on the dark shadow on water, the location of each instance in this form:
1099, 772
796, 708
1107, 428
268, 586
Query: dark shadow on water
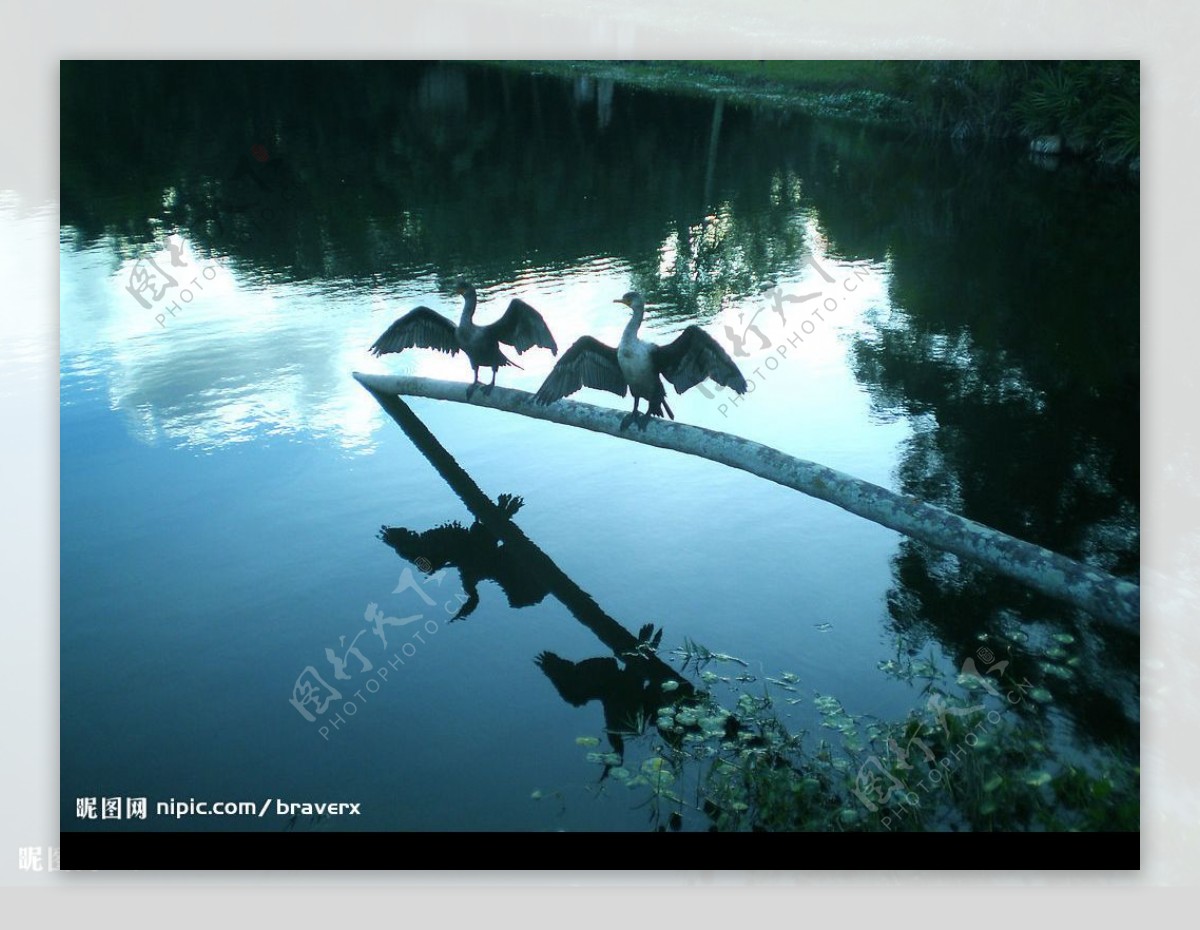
629, 684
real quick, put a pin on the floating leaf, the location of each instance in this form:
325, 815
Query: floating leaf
1039, 779
1065, 638
670, 685
993, 783
848, 815
537, 794
620, 774
1041, 695
823, 627
586, 741
924, 668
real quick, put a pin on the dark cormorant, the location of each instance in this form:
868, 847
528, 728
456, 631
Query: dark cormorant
639, 366
521, 327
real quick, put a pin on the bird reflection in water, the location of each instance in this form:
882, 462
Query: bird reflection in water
477, 553
629, 683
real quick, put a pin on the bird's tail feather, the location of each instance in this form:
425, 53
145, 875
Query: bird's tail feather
658, 408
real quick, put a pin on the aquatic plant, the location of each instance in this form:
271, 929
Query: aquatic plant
967, 760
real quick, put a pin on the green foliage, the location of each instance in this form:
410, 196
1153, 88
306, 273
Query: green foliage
980, 762
1050, 104
962, 99
820, 74
1094, 105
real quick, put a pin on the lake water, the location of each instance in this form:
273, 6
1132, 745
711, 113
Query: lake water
236, 509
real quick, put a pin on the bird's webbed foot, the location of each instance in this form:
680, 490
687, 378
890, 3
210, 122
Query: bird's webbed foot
626, 420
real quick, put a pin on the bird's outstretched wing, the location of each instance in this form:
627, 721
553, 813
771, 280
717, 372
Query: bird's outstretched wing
694, 356
588, 363
421, 328
522, 327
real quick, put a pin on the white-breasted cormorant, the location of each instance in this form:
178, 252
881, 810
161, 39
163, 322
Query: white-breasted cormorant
638, 366
521, 327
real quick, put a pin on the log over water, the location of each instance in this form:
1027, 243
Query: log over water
1105, 596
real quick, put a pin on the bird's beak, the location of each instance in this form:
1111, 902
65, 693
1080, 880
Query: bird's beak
621, 300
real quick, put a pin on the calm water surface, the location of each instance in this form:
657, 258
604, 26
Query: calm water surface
956, 327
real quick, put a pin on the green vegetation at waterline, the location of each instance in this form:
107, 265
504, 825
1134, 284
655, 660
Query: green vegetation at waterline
975, 756
1085, 108
1090, 107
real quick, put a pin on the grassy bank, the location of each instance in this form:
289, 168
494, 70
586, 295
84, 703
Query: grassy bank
858, 90
1090, 107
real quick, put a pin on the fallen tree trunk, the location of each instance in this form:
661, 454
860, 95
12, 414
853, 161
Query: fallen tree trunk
1106, 597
